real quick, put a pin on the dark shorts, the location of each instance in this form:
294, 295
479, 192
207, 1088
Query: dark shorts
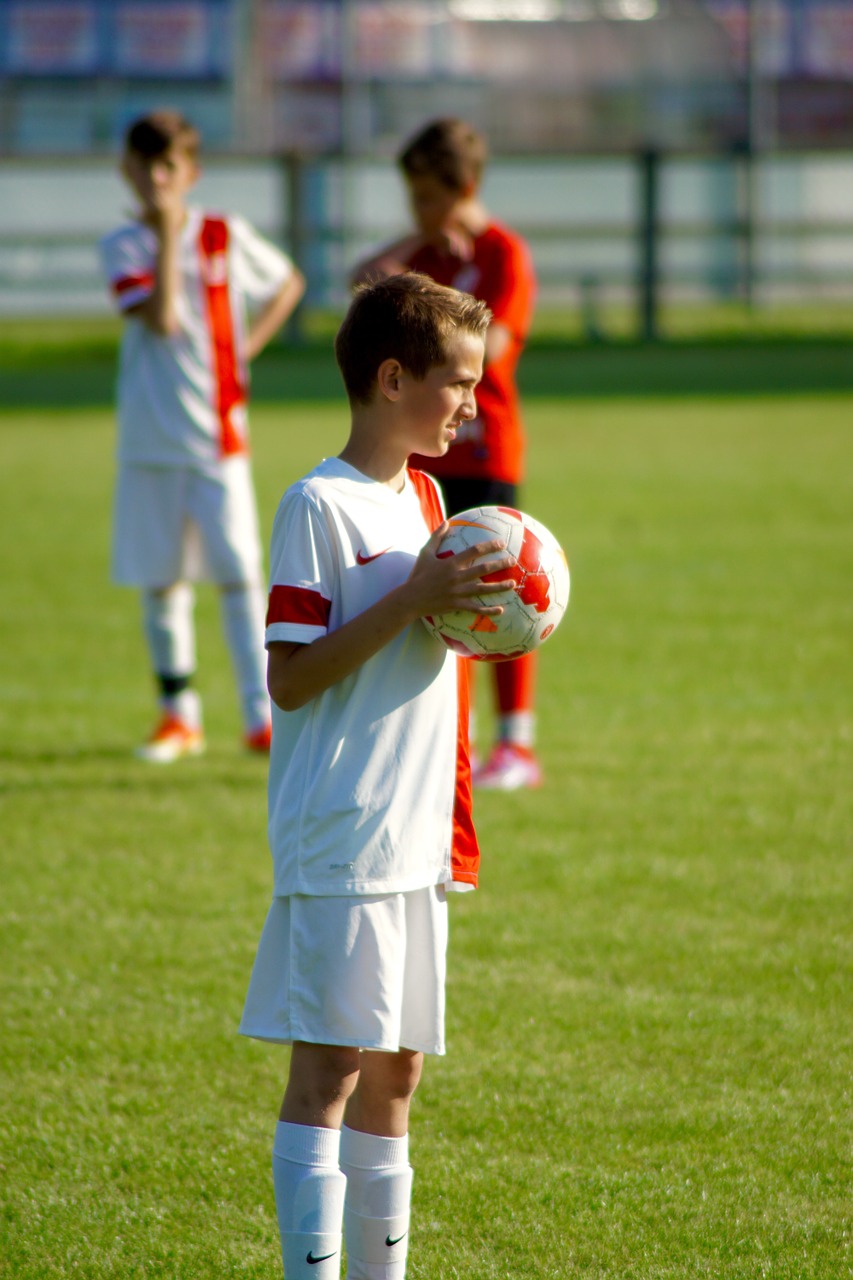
463, 492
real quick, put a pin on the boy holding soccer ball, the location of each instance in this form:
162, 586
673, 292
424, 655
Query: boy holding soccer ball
184, 281
369, 791
457, 242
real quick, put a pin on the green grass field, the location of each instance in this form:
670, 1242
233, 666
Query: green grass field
649, 1067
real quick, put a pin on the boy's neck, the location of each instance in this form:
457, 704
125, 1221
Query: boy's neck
376, 461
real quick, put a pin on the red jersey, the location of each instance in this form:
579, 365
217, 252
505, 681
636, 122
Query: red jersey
500, 273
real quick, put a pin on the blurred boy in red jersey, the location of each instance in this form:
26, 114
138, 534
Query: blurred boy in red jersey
459, 243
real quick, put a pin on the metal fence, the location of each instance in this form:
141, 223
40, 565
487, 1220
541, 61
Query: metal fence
651, 227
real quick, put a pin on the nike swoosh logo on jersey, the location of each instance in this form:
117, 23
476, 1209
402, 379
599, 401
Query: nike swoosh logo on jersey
365, 559
311, 1260
390, 1243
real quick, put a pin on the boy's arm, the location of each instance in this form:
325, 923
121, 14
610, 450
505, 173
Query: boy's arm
296, 673
269, 319
159, 311
508, 288
390, 261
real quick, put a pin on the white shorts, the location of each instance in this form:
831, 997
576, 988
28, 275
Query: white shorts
361, 971
174, 524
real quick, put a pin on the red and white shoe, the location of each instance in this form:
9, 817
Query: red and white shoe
509, 768
259, 740
172, 739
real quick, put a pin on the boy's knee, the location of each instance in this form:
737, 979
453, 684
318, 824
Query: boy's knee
407, 1073
396, 1075
321, 1075
338, 1062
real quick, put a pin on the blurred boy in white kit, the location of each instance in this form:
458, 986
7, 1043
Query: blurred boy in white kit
370, 787
185, 505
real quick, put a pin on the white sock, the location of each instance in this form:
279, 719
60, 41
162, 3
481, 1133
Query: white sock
186, 705
243, 620
519, 728
472, 738
309, 1200
376, 1213
167, 620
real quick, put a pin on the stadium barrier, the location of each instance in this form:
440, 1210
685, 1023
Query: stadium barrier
652, 228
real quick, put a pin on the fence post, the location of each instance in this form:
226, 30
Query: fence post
746, 218
648, 236
293, 175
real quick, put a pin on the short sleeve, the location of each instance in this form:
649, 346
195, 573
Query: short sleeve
128, 267
260, 268
302, 572
508, 284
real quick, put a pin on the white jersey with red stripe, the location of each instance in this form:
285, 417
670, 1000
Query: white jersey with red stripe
369, 783
182, 398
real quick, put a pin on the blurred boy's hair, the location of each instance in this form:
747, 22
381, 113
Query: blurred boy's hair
450, 150
155, 133
408, 318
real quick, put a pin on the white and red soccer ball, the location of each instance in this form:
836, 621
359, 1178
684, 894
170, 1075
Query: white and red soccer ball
534, 605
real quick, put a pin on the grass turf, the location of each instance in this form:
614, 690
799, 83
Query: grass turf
649, 1000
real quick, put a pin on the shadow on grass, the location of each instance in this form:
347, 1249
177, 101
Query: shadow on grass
113, 767
33, 379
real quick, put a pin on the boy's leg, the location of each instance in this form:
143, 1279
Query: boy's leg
223, 508
375, 1159
516, 690
309, 1185
243, 606
513, 763
309, 1200
167, 617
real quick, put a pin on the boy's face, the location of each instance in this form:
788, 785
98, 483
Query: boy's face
161, 181
435, 407
433, 203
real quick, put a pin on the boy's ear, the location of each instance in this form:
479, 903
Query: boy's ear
388, 377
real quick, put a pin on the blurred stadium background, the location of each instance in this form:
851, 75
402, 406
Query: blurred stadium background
651, 150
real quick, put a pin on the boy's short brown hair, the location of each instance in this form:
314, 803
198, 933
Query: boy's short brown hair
407, 318
450, 150
153, 134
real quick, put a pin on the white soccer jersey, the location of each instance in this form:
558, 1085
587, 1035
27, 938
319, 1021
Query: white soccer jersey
369, 784
182, 398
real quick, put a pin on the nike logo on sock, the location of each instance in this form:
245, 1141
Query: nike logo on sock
390, 1243
365, 559
311, 1260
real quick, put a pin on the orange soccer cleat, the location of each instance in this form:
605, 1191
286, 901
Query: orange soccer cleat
172, 739
259, 740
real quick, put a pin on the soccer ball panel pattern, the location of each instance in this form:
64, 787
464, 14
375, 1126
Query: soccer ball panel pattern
534, 606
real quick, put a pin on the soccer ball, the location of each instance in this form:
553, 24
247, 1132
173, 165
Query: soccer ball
531, 609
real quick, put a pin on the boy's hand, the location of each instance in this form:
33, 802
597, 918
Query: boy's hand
164, 210
445, 583
456, 242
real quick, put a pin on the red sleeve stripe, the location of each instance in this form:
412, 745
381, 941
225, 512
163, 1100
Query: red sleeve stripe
298, 605
144, 280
